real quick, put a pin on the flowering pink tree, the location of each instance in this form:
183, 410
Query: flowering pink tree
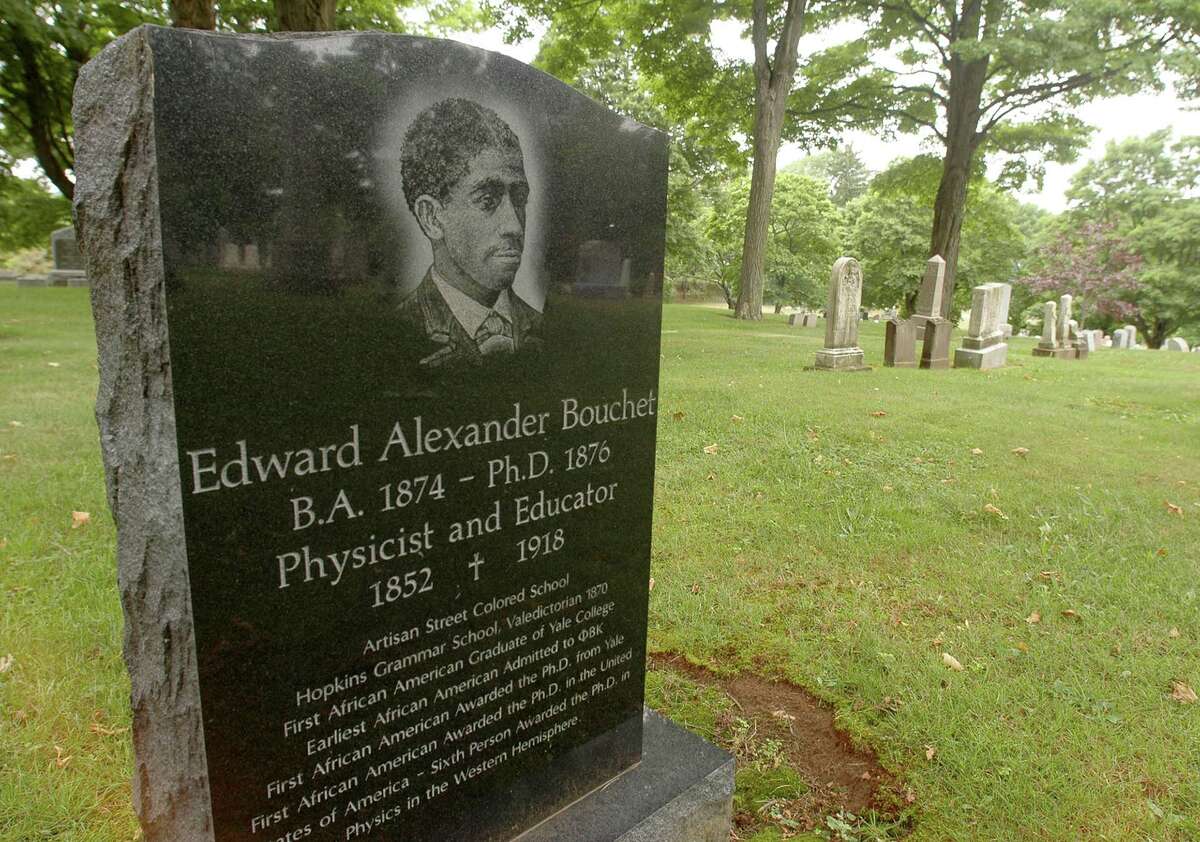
1094, 264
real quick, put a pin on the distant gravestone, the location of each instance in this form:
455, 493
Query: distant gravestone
1056, 333
810, 320
935, 348
33, 281
1089, 340
984, 347
68, 262
1064, 320
841, 351
795, 319
383, 555
1130, 335
1175, 343
900, 343
929, 297
1120, 339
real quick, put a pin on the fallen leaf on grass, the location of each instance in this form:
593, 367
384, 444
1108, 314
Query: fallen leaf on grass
54, 365
6, 663
783, 715
866, 776
930, 752
695, 587
97, 728
1022, 646
1173, 633
15, 424
1035, 617
887, 488
79, 519
1070, 613
975, 451
1162, 551
61, 760
992, 510
736, 419
710, 448
1172, 508
1021, 451
21, 716
952, 662
651, 583
711, 477
879, 413
677, 415
1182, 692
910, 797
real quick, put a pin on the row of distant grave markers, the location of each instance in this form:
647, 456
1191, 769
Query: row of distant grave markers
983, 347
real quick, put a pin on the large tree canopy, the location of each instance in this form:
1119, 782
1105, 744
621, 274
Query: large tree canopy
729, 107
989, 76
888, 224
1138, 200
43, 46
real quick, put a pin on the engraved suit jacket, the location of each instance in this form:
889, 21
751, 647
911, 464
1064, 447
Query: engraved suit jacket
449, 343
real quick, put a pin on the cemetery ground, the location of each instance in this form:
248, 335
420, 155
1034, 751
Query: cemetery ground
988, 582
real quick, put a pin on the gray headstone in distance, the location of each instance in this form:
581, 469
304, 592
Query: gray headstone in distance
983, 347
900, 343
841, 351
382, 486
929, 297
1176, 343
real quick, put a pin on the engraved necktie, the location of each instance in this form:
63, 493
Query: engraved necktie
494, 335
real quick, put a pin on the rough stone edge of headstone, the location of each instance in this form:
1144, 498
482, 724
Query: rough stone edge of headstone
118, 224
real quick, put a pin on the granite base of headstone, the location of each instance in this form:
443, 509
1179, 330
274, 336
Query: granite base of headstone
935, 347
33, 281
383, 567
67, 278
900, 343
680, 792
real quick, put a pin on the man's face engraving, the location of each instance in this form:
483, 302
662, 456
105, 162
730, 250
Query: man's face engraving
482, 220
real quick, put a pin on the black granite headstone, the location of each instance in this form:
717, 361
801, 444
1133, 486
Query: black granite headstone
414, 463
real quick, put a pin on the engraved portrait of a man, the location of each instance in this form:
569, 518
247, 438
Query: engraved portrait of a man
463, 175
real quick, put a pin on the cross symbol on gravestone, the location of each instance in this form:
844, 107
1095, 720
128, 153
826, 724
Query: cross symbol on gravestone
474, 565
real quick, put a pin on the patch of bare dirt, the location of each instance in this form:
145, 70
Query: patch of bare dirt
841, 775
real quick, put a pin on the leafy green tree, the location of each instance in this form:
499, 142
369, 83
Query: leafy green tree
990, 77
775, 97
805, 236
1144, 190
28, 213
1168, 297
842, 169
43, 46
888, 234
1135, 179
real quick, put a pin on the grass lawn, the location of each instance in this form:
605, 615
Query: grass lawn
847, 531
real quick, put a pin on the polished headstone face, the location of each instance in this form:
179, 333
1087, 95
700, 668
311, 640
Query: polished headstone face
414, 341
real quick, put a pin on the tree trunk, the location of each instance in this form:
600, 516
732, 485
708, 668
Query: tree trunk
773, 83
38, 101
193, 14
305, 15
962, 139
